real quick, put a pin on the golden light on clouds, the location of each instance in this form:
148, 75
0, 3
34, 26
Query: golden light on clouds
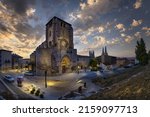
30, 12
136, 22
6, 35
96, 23
138, 4
16, 34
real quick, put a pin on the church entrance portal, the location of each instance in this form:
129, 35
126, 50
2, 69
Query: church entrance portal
65, 64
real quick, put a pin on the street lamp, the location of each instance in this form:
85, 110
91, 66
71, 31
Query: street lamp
45, 78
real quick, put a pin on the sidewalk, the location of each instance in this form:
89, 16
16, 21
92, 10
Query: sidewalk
60, 85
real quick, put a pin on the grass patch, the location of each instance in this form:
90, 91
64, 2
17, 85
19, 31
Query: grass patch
105, 82
133, 84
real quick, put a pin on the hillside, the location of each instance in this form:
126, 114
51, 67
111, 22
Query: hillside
132, 84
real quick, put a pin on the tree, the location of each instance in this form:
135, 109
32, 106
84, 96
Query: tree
149, 55
140, 52
93, 63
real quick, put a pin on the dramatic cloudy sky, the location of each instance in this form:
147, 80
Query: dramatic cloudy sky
117, 24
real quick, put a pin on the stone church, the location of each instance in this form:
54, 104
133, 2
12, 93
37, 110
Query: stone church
56, 54
105, 58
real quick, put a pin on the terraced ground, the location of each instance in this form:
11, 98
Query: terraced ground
134, 84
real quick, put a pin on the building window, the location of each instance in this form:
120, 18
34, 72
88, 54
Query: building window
50, 43
61, 24
49, 33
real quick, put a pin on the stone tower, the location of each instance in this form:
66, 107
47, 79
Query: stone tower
105, 51
91, 54
59, 34
57, 53
104, 56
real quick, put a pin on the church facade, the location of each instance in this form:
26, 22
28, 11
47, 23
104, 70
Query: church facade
56, 54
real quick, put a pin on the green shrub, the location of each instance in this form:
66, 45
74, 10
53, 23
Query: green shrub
37, 93
33, 90
42, 95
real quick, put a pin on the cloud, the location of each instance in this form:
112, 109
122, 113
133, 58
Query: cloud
83, 35
120, 27
94, 7
137, 34
83, 6
98, 41
136, 23
84, 39
30, 12
89, 12
137, 4
128, 38
16, 33
101, 29
114, 41
147, 31
3, 27
146, 28
123, 35
83, 51
19, 6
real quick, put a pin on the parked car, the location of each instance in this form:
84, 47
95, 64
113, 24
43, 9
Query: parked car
29, 73
9, 78
129, 66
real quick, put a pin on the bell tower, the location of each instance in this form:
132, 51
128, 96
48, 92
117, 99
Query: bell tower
106, 51
59, 34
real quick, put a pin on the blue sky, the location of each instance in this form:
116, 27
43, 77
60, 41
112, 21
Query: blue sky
117, 24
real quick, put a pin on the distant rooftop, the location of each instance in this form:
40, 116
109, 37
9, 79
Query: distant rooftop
5, 50
16, 55
83, 56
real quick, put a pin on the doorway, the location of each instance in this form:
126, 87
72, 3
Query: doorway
65, 64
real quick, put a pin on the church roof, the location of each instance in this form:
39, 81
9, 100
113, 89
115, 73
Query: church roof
83, 56
58, 19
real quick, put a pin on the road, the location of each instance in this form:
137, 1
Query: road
20, 94
57, 85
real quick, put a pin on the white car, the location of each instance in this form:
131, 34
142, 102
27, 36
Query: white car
9, 78
28, 73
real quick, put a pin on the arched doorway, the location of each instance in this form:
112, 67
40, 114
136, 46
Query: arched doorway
65, 64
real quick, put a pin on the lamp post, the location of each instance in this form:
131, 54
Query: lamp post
45, 78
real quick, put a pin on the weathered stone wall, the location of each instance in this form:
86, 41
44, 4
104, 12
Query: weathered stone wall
43, 61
